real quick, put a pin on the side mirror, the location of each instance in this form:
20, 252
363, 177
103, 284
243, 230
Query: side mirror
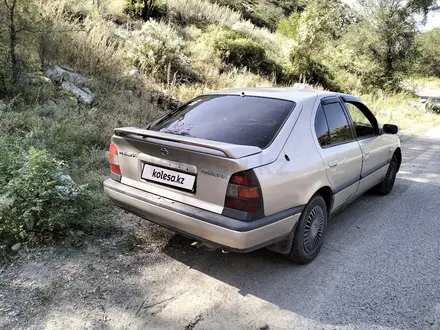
390, 129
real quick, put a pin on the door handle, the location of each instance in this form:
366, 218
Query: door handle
366, 153
333, 163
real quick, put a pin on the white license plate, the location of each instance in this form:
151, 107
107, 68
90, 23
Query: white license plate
168, 177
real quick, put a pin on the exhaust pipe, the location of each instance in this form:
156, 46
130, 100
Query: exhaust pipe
196, 245
207, 247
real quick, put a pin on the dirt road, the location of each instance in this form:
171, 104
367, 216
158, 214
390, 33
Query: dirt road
379, 269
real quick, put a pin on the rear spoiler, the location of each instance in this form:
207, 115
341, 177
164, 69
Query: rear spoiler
234, 151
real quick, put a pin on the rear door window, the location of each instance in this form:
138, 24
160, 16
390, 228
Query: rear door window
235, 119
340, 131
321, 128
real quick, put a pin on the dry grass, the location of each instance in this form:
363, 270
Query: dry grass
403, 110
93, 46
425, 82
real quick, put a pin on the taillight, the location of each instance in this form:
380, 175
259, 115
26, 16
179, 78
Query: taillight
244, 193
112, 156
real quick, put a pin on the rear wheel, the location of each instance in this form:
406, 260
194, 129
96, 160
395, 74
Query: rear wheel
309, 233
387, 184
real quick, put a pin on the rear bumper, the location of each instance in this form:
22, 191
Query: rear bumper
203, 225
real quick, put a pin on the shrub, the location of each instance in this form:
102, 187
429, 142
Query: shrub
289, 26
235, 49
187, 12
262, 13
244, 52
37, 195
265, 15
261, 35
156, 48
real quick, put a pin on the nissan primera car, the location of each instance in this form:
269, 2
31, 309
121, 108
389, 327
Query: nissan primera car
250, 168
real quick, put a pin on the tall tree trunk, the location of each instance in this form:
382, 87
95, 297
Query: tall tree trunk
390, 58
146, 10
12, 42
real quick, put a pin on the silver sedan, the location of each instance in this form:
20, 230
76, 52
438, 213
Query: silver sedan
250, 168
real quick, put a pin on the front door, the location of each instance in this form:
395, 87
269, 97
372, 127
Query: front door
376, 155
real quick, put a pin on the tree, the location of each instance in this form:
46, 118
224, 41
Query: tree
17, 17
429, 53
388, 34
313, 30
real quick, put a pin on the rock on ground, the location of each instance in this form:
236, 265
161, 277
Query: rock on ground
16, 247
84, 94
60, 74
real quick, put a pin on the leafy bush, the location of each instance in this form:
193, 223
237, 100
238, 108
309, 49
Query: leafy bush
187, 12
266, 15
37, 195
289, 26
156, 48
244, 52
261, 35
233, 48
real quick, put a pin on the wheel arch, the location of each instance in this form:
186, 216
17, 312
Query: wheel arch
327, 193
285, 245
398, 154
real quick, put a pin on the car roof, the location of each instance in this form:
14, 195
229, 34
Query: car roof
290, 94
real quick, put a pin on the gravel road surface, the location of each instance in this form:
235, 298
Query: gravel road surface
379, 269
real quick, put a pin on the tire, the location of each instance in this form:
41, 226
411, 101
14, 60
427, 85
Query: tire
387, 184
309, 233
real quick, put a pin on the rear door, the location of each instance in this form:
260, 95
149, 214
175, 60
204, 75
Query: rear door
339, 150
375, 150
190, 154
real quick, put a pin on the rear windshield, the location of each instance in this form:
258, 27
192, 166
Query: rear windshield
247, 120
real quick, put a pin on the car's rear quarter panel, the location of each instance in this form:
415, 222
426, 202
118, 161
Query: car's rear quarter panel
289, 183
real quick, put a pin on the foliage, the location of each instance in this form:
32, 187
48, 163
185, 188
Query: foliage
18, 22
145, 8
320, 24
234, 48
266, 15
388, 37
156, 49
187, 12
289, 26
37, 196
244, 52
262, 13
429, 53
